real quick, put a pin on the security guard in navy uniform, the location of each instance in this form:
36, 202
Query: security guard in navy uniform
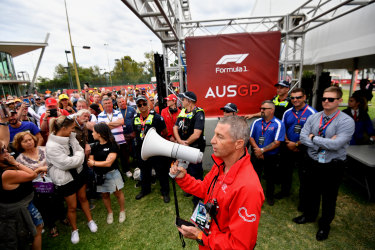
142, 122
189, 131
281, 101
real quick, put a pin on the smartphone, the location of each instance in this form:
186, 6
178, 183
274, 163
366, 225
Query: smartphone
4, 111
27, 102
180, 222
53, 112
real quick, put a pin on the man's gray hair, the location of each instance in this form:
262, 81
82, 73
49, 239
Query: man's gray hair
269, 102
239, 129
106, 99
81, 112
82, 100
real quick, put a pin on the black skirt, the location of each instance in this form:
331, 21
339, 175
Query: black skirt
73, 186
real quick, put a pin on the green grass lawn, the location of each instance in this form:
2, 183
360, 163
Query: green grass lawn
150, 224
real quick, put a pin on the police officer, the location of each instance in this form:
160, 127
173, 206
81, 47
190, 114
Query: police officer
265, 137
294, 119
281, 100
142, 122
229, 109
189, 131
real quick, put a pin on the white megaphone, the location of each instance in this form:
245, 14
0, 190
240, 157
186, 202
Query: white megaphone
155, 145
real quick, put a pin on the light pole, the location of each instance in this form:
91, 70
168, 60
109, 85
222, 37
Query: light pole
72, 48
106, 49
68, 68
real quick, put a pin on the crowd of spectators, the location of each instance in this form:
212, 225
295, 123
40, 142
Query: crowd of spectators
57, 147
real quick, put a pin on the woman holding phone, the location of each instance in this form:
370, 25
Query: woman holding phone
17, 212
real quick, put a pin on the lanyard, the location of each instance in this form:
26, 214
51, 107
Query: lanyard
110, 120
322, 128
143, 123
126, 110
263, 130
299, 118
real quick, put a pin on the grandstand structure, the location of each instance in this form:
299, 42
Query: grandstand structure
171, 21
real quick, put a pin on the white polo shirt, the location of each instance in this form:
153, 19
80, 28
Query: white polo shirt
116, 132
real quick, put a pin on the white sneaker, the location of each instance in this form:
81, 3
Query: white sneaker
129, 174
92, 225
122, 217
110, 218
75, 237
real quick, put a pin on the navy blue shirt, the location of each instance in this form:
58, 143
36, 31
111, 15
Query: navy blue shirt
290, 120
274, 130
25, 126
128, 119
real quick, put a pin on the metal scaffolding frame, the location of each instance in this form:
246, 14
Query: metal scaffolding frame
170, 21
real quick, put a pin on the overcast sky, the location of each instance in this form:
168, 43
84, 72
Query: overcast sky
98, 22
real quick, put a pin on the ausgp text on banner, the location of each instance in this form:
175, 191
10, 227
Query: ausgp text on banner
238, 68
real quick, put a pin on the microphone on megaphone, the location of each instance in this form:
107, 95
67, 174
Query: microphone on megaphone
155, 145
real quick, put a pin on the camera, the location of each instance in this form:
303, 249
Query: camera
53, 112
211, 208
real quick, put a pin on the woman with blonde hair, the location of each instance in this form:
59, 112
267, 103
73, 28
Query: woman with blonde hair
65, 166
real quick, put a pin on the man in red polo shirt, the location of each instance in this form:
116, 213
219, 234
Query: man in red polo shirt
170, 114
52, 110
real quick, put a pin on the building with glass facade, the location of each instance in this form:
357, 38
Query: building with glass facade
12, 83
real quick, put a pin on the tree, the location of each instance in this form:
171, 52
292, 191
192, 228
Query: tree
127, 70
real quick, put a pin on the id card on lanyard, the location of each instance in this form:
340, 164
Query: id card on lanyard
262, 138
298, 127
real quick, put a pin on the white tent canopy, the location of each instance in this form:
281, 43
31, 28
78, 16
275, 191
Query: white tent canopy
335, 44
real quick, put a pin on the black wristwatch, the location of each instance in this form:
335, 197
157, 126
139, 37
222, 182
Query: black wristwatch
4, 123
199, 240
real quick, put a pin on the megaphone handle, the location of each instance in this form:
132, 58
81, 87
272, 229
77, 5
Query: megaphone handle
183, 164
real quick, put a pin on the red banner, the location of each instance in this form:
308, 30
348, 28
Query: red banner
236, 68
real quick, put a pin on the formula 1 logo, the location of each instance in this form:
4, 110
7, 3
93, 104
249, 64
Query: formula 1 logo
246, 217
236, 58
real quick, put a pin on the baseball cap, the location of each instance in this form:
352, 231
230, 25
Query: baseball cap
141, 98
171, 97
51, 102
283, 84
95, 107
188, 95
230, 107
9, 102
63, 96
17, 100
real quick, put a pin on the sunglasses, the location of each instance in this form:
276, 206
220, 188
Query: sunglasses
330, 99
130, 95
264, 108
140, 105
296, 97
